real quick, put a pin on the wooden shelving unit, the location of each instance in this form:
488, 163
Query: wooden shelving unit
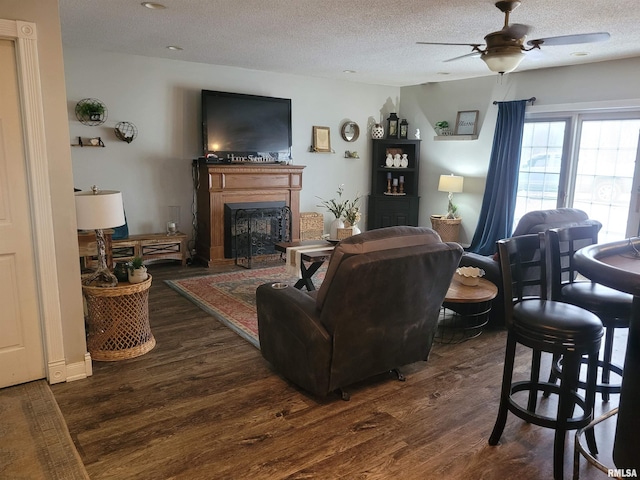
387, 209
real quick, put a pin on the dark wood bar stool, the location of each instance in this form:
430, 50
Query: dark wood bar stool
545, 326
611, 306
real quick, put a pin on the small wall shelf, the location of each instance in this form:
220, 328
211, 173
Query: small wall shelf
445, 138
87, 143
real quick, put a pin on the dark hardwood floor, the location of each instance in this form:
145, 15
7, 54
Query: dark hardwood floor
204, 404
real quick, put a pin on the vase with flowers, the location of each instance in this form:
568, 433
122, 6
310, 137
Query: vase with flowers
352, 216
338, 207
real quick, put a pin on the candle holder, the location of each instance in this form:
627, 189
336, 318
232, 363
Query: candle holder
174, 220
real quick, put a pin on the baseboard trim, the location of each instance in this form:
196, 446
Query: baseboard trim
80, 370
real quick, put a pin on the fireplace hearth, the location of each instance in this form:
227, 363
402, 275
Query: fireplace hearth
253, 228
218, 185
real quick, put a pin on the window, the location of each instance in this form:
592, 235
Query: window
596, 175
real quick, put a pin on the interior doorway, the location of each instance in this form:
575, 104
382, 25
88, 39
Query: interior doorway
21, 349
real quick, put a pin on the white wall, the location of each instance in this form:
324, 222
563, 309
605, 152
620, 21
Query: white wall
590, 86
162, 98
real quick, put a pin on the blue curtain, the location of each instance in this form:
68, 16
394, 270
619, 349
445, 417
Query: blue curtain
499, 201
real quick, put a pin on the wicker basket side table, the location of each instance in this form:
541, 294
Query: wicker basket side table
447, 228
118, 321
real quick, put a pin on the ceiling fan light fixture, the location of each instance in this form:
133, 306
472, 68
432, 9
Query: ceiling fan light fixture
503, 62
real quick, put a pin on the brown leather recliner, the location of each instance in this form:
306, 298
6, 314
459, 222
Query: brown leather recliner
376, 310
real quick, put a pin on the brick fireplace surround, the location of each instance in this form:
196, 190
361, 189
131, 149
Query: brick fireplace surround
219, 184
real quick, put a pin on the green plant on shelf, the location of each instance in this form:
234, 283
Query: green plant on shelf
90, 110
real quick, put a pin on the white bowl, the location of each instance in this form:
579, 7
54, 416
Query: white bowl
469, 276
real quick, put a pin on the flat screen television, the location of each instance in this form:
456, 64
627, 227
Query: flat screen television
241, 127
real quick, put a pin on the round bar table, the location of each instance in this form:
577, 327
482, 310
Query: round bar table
617, 265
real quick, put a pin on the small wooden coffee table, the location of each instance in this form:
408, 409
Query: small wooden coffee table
316, 259
469, 309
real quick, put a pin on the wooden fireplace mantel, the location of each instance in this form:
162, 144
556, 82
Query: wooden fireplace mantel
219, 184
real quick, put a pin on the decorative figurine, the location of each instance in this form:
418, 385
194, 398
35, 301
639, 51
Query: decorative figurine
389, 161
417, 134
377, 131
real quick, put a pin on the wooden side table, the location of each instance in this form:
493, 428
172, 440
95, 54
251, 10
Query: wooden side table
118, 321
470, 307
151, 247
316, 259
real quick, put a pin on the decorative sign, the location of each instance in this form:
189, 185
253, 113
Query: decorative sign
466, 123
321, 139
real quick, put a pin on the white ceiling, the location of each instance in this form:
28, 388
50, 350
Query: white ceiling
323, 38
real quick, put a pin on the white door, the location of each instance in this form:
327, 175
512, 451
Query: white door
21, 350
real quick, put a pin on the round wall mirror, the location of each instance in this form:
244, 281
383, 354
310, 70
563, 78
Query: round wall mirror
350, 131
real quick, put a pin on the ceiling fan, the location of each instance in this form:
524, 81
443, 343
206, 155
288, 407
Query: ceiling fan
505, 48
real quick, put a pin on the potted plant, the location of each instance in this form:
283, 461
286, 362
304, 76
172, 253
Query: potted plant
442, 128
352, 215
90, 110
137, 270
338, 207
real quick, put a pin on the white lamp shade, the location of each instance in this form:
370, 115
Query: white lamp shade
503, 62
450, 183
96, 211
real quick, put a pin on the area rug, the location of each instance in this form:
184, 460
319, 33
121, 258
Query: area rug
231, 297
35, 438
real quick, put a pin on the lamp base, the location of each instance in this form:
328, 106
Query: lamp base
102, 277
102, 274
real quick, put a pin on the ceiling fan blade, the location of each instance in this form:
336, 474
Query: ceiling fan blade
516, 30
472, 54
571, 39
444, 43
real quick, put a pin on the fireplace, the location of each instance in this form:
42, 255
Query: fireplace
220, 184
251, 230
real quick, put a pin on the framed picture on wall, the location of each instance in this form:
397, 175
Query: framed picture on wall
321, 139
466, 123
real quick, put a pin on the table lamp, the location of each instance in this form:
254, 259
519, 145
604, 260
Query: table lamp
452, 184
96, 210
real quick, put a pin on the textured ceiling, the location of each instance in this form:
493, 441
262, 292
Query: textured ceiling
323, 38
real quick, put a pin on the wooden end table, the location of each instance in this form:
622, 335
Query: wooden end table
470, 307
316, 259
